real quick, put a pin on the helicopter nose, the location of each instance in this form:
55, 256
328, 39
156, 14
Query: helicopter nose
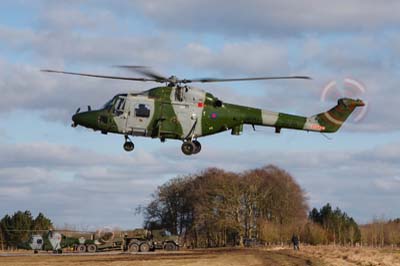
86, 119
77, 119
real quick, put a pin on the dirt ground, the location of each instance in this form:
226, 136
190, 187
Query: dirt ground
318, 256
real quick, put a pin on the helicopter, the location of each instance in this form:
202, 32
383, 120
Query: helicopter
178, 111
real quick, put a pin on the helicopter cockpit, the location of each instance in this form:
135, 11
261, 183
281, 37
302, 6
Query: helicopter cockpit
118, 102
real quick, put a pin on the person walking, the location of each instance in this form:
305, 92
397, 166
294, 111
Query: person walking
295, 241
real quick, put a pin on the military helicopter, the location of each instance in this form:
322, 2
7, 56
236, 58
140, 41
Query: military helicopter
182, 112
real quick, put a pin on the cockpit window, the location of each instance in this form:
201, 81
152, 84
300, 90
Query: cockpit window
119, 105
119, 101
142, 110
108, 104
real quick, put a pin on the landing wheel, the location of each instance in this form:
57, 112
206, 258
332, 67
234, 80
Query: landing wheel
197, 147
188, 148
128, 145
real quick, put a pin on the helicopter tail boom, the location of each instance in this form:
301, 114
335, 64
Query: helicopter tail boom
327, 122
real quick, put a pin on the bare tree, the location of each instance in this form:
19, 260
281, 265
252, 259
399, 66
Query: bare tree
217, 208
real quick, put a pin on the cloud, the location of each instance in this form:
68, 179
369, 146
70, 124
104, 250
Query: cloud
263, 18
251, 57
54, 156
52, 177
388, 184
56, 178
57, 47
10, 192
27, 177
58, 16
3, 133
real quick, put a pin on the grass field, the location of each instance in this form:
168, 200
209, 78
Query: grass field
216, 257
336, 256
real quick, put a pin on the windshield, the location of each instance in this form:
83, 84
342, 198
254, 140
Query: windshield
108, 104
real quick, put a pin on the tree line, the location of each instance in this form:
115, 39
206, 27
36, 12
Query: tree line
16, 229
331, 226
381, 232
219, 208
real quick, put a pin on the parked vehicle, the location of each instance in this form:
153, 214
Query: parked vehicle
137, 240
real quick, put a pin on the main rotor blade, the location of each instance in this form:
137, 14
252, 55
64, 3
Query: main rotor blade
145, 71
100, 76
205, 80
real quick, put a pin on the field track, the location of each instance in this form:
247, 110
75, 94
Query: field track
317, 256
208, 257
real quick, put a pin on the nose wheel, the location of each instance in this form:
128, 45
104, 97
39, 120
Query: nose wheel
128, 145
191, 147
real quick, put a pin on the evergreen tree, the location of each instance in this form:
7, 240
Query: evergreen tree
41, 223
17, 229
340, 228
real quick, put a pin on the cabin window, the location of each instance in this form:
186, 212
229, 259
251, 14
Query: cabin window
142, 110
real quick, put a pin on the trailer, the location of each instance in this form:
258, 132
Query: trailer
137, 240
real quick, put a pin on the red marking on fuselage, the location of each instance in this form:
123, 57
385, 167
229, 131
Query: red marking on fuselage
317, 127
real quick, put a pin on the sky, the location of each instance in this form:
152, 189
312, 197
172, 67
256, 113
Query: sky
81, 178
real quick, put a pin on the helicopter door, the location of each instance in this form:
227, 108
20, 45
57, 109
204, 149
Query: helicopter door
119, 112
140, 114
183, 115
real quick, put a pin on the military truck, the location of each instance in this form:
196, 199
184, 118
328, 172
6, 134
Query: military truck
163, 239
137, 240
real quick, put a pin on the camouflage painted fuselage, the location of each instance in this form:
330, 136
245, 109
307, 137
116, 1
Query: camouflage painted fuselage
187, 113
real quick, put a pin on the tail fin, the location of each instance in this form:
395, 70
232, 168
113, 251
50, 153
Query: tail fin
333, 119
